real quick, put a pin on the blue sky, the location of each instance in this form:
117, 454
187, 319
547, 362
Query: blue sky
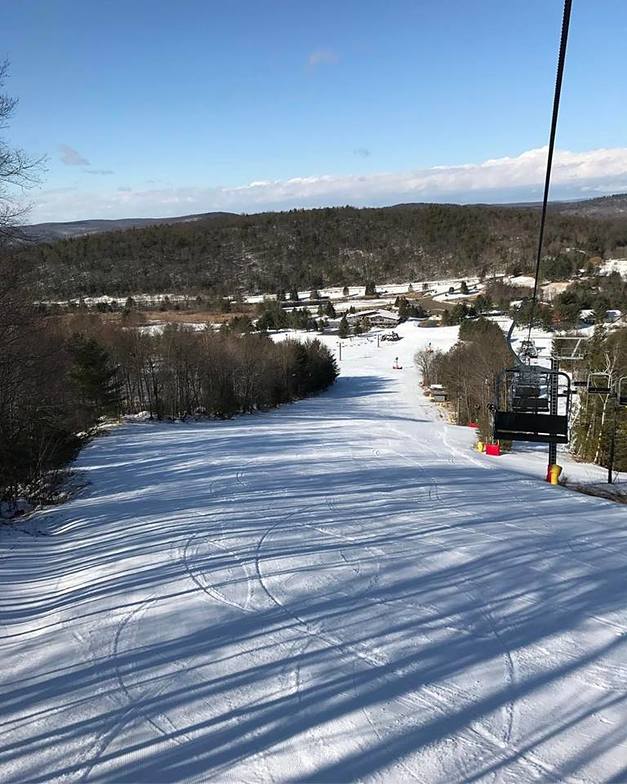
147, 107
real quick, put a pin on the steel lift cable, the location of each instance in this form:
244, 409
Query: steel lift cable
519, 412
549, 162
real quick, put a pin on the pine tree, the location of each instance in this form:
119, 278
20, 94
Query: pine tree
94, 377
371, 289
344, 328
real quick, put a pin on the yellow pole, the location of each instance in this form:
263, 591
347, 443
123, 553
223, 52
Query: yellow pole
554, 473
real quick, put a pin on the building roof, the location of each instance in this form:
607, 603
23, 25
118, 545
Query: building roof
373, 314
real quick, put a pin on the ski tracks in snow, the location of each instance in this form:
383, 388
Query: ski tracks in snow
337, 544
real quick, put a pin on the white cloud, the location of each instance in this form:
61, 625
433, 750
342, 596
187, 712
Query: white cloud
322, 57
516, 178
71, 157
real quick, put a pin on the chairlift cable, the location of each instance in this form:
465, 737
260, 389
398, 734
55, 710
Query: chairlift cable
521, 391
549, 163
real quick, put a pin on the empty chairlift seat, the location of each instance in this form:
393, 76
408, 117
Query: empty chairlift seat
523, 406
541, 428
599, 384
527, 398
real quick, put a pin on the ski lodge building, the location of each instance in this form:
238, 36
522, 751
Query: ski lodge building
376, 318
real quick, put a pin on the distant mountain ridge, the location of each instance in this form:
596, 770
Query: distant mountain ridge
48, 232
599, 207
226, 254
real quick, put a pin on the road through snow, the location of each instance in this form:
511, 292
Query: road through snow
338, 590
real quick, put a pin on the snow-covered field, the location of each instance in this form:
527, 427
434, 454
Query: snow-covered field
388, 292
338, 590
615, 265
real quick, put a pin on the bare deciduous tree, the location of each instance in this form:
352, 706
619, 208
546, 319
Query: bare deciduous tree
18, 170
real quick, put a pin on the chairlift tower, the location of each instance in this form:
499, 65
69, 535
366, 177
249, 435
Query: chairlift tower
575, 355
602, 384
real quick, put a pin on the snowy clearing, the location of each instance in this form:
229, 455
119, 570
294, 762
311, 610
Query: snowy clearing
338, 590
615, 265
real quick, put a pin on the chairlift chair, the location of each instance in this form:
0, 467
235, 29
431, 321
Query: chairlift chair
528, 350
599, 383
527, 395
521, 411
529, 405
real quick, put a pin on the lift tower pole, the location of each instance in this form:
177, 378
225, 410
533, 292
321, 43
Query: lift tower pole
610, 462
553, 399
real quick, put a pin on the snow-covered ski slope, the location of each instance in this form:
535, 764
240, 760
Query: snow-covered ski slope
338, 590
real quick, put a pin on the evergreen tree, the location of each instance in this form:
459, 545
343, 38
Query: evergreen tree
329, 310
94, 377
345, 291
407, 309
482, 304
404, 308
344, 328
273, 317
371, 289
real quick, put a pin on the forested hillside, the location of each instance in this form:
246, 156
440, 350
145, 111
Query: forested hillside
308, 248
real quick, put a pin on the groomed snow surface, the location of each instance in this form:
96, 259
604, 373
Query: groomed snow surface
338, 590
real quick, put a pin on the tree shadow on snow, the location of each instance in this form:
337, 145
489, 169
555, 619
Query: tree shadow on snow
250, 603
